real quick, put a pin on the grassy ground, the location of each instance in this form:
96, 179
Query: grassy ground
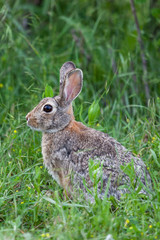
94, 37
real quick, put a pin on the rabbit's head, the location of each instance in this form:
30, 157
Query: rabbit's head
53, 114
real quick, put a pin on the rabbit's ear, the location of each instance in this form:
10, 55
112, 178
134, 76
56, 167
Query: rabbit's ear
72, 86
66, 68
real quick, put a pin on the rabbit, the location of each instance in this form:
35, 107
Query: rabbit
68, 145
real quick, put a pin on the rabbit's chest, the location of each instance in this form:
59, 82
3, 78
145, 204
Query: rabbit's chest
57, 162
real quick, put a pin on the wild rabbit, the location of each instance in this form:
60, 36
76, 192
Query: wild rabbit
67, 145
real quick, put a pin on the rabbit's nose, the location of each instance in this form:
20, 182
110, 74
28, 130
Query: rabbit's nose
27, 117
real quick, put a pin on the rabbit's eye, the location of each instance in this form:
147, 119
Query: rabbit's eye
47, 108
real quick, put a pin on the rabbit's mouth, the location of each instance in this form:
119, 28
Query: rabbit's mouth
32, 125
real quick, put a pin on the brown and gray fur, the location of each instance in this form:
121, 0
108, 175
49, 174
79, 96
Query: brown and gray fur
67, 145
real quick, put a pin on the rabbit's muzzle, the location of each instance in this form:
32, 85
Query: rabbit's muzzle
31, 121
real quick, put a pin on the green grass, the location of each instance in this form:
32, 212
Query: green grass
32, 205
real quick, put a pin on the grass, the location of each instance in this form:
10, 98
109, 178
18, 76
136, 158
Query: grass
32, 205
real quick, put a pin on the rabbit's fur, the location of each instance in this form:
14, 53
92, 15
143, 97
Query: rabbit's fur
67, 145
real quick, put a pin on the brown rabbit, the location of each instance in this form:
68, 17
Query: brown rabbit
67, 145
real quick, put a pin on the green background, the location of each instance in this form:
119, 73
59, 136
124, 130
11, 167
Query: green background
100, 37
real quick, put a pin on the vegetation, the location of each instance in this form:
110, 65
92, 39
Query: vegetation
37, 37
